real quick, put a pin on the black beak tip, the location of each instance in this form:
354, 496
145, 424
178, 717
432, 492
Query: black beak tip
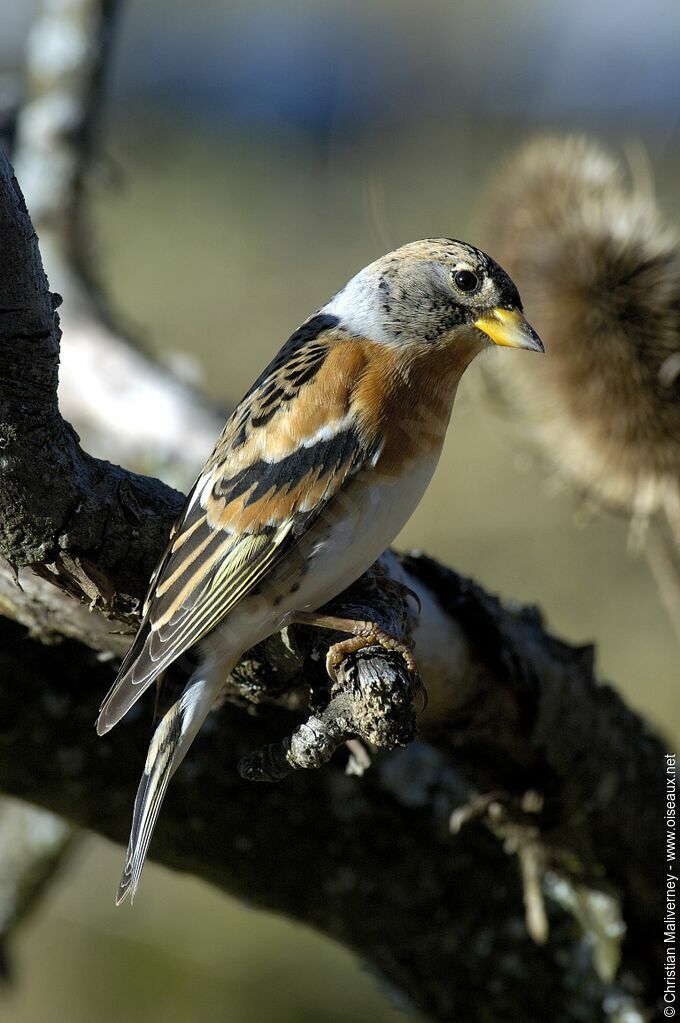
537, 345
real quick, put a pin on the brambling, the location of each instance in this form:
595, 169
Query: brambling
315, 473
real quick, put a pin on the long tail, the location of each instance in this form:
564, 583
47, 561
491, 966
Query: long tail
169, 745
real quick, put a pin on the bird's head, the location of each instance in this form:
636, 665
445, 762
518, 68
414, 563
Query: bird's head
438, 291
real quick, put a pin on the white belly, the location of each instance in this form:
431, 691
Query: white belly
351, 534
360, 528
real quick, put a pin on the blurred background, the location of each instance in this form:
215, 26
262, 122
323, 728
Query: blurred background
255, 155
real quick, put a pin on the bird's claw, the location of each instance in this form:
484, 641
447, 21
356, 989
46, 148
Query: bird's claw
367, 634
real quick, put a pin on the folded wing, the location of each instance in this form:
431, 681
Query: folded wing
289, 447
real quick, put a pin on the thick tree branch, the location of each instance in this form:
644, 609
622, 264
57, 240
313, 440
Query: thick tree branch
372, 860
82, 519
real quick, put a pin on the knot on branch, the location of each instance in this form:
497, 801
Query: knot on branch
373, 700
372, 696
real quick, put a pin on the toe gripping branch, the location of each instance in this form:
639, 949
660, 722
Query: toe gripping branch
374, 685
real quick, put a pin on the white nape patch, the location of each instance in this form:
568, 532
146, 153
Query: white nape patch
359, 309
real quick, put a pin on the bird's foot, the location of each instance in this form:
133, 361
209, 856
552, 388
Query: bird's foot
362, 634
365, 634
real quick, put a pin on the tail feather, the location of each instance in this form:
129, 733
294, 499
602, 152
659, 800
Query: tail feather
169, 745
118, 702
136, 674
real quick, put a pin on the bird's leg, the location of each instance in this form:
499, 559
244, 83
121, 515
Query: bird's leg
362, 634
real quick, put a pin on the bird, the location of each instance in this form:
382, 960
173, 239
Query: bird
316, 471
599, 268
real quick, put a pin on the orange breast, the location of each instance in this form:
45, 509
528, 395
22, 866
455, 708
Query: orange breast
407, 394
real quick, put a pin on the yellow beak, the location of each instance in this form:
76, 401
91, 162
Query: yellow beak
509, 328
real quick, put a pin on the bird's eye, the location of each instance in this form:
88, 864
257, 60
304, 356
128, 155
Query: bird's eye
465, 280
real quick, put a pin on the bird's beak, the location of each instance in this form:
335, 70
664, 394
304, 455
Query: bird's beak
509, 328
